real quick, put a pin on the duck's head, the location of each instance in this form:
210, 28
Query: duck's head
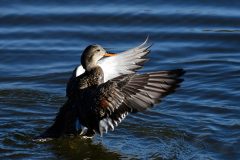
92, 54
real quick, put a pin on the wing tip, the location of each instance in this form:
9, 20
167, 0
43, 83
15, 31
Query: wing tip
146, 44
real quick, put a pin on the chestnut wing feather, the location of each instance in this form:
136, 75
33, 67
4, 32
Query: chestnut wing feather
133, 93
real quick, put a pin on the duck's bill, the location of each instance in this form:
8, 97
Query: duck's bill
110, 54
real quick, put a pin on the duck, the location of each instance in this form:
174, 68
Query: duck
106, 87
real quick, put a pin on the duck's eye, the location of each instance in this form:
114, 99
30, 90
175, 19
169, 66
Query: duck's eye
98, 50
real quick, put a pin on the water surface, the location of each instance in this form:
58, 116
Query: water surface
41, 43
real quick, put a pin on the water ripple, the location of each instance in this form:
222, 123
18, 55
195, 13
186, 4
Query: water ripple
40, 45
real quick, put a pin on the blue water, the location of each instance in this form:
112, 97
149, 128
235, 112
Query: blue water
41, 43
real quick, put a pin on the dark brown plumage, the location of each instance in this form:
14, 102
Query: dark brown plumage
101, 105
104, 106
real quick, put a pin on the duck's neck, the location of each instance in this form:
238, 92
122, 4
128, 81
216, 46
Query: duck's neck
88, 63
90, 66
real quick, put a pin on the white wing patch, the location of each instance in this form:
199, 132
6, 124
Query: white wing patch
80, 70
123, 63
108, 123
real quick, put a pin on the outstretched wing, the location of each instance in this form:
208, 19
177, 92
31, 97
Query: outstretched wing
126, 62
133, 93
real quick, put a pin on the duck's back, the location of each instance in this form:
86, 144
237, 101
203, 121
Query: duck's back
91, 78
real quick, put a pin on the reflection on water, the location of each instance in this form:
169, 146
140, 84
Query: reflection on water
41, 43
75, 148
